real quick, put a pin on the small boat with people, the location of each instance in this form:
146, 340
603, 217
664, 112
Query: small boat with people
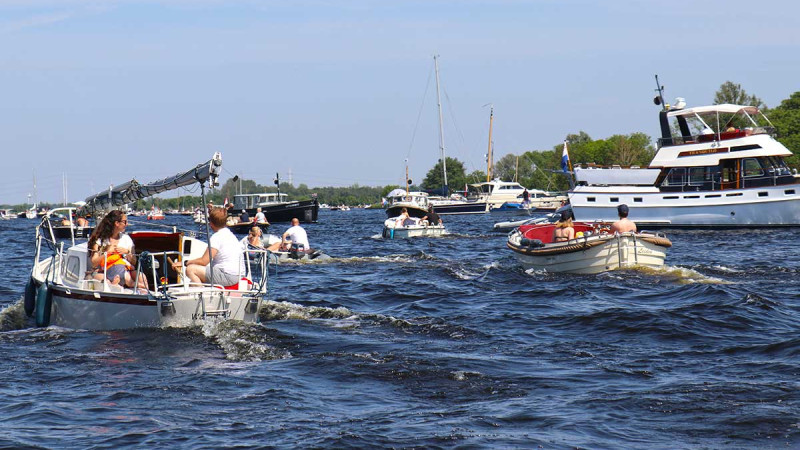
595, 248
141, 279
155, 214
66, 227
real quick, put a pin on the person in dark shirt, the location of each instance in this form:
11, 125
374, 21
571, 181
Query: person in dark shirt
244, 217
432, 217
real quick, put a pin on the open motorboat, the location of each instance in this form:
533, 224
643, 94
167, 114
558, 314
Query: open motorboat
595, 251
511, 224
61, 293
394, 229
155, 214
716, 166
497, 192
59, 230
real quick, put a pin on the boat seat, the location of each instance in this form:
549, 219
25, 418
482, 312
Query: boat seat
243, 285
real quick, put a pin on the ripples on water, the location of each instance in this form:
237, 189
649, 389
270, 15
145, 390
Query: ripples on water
438, 342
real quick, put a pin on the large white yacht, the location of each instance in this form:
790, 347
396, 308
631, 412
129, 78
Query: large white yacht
715, 166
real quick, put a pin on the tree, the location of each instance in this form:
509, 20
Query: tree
632, 149
455, 175
731, 92
786, 119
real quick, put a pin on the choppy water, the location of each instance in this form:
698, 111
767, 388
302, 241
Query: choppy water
442, 342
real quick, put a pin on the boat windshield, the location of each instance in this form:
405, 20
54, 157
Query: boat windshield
718, 122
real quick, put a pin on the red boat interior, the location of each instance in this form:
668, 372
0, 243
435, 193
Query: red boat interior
544, 232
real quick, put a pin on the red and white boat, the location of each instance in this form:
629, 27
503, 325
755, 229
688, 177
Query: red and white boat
596, 250
155, 214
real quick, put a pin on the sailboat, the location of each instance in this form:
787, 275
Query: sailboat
456, 203
59, 291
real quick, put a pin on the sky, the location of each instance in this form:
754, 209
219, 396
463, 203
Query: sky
333, 93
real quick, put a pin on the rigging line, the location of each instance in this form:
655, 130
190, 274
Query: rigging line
419, 114
453, 118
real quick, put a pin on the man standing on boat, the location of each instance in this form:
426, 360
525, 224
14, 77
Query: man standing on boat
526, 198
623, 225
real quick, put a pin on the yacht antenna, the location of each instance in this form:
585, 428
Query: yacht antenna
278, 184
445, 190
659, 100
489, 152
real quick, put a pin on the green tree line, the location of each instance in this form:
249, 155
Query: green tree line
539, 169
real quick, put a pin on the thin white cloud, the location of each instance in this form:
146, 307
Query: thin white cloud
34, 21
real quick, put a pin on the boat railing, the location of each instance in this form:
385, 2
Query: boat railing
715, 137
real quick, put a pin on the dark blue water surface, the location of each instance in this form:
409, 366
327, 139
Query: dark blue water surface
442, 342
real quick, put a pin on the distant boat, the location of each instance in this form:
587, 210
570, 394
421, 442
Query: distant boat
155, 214
276, 207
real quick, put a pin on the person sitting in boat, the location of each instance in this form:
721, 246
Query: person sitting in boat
226, 254
65, 221
623, 225
252, 242
405, 220
295, 237
244, 217
82, 222
432, 217
111, 249
564, 230
260, 217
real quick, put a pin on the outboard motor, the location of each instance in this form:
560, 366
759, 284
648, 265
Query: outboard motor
297, 251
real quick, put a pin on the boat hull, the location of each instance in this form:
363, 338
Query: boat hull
594, 252
772, 206
461, 208
305, 211
84, 309
390, 231
63, 232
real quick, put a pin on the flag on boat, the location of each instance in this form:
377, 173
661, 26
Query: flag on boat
566, 166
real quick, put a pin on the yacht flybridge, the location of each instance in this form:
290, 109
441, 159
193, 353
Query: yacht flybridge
715, 166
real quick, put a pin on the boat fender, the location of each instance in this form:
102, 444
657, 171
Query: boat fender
30, 298
44, 303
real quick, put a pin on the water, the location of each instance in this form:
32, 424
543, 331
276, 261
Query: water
442, 342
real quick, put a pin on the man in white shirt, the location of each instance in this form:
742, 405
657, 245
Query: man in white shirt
294, 236
226, 254
260, 217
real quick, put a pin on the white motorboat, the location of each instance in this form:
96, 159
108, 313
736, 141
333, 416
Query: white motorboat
416, 203
716, 166
510, 225
498, 192
61, 293
394, 229
6, 214
595, 251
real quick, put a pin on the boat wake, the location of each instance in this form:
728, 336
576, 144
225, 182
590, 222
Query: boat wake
462, 272
13, 317
675, 274
242, 341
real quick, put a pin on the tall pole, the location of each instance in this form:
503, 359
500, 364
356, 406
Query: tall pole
489, 153
445, 190
407, 177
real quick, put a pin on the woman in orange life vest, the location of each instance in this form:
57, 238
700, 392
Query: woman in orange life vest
111, 248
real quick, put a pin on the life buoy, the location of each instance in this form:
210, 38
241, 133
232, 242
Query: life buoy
30, 298
44, 303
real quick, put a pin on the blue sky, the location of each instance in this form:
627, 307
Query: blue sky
335, 91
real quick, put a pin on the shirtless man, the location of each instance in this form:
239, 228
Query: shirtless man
624, 224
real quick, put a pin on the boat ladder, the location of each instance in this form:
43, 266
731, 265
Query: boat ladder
218, 312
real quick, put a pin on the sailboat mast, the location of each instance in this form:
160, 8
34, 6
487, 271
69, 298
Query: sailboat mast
489, 153
445, 190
